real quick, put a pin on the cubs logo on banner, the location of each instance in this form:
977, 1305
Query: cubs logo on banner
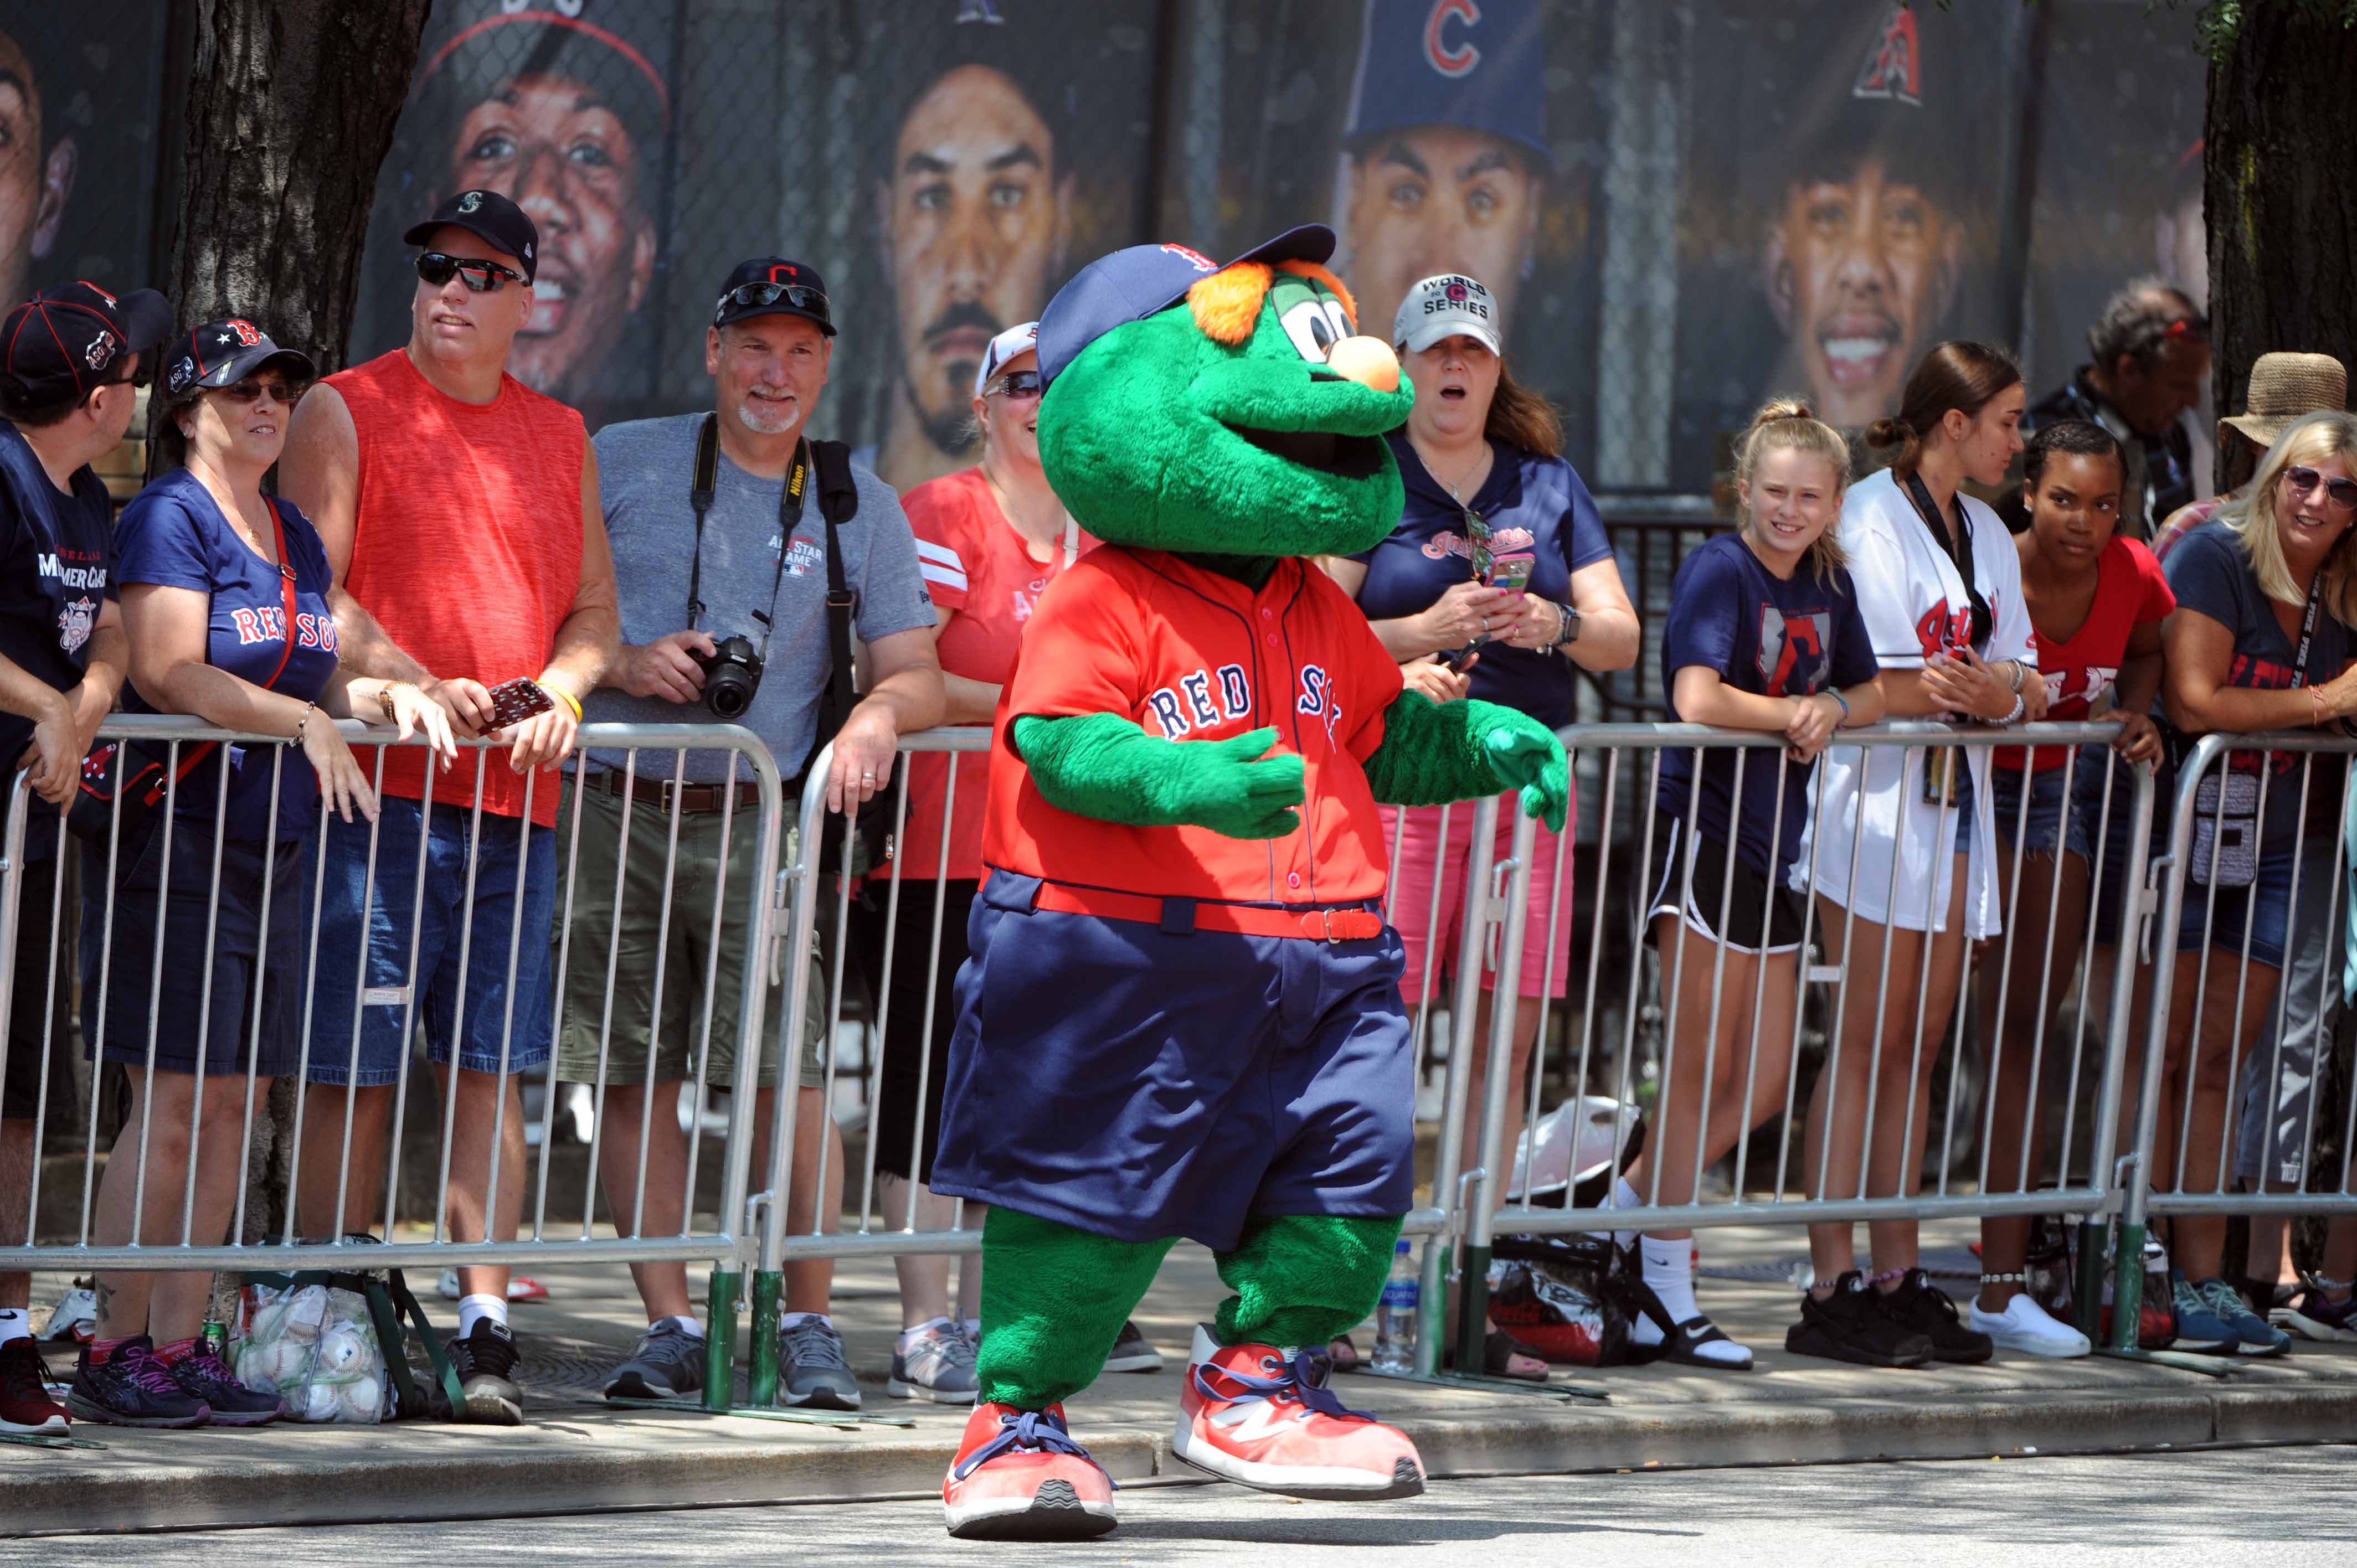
1461, 59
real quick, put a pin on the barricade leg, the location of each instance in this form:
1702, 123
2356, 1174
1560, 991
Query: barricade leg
720, 1338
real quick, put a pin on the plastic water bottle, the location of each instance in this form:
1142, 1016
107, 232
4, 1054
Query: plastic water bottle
1396, 1316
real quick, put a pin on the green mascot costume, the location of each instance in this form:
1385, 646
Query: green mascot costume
1182, 1016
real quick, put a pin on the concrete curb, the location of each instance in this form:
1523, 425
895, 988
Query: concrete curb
560, 1467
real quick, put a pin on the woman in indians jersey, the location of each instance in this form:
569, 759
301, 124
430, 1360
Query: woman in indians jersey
1902, 847
2098, 600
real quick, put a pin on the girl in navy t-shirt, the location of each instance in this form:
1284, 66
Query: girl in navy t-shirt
1763, 634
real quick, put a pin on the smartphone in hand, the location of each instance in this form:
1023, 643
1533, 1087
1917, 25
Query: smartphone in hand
512, 701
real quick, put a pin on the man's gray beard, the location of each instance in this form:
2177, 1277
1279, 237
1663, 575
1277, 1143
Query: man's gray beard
745, 417
948, 430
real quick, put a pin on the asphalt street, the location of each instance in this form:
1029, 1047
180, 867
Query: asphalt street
2211, 1509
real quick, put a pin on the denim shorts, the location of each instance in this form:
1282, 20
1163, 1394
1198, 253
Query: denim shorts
2050, 821
361, 1023
2263, 905
2108, 876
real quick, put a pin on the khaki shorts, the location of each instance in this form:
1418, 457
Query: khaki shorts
686, 949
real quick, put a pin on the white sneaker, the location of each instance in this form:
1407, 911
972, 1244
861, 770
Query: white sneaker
2024, 1325
75, 1318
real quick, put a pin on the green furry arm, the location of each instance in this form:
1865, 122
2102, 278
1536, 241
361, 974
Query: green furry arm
1436, 753
1104, 765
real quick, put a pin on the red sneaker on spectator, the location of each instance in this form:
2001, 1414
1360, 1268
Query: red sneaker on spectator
1019, 1475
1264, 1417
24, 1402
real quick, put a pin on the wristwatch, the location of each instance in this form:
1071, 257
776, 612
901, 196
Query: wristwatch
384, 701
1570, 632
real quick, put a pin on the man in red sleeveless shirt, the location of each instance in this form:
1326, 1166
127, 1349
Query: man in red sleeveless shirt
460, 512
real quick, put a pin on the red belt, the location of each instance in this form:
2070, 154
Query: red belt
1317, 925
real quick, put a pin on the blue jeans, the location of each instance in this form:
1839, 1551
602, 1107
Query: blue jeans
2049, 823
361, 1023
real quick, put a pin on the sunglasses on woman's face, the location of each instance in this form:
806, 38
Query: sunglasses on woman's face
1016, 385
2342, 493
287, 393
482, 277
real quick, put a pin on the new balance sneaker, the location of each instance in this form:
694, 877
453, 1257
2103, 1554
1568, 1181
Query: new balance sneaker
485, 1361
1133, 1352
2026, 1327
2199, 1327
75, 1318
1263, 1416
203, 1375
2255, 1336
2313, 1314
24, 1402
1019, 1475
1855, 1325
131, 1387
668, 1364
937, 1367
811, 1368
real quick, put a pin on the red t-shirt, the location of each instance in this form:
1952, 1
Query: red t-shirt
1189, 655
2130, 592
977, 565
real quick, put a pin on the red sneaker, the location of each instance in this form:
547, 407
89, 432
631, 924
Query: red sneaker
1019, 1475
26, 1406
1264, 1417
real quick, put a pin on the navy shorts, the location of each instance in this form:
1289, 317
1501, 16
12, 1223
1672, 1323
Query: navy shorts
2263, 906
1142, 1083
361, 1023
2050, 823
193, 1002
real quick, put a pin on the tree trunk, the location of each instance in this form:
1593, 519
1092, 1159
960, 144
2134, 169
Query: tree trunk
2281, 214
291, 105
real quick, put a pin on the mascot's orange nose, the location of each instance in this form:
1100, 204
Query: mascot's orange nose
1366, 360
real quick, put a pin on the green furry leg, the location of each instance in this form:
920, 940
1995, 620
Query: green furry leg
1300, 1280
1053, 1300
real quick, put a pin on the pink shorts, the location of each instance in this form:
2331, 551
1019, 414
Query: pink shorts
1409, 908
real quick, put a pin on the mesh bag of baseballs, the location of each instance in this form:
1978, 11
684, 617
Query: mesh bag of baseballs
333, 1347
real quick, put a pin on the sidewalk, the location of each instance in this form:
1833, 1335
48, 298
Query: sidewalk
575, 1455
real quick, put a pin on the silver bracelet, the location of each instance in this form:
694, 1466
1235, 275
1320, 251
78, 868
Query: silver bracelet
2020, 673
2018, 707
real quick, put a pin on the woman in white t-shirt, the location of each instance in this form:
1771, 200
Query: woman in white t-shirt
1903, 863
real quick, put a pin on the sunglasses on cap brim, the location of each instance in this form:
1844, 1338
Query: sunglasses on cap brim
481, 277
754, 295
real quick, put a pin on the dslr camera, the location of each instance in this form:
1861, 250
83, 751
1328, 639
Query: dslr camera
732, 674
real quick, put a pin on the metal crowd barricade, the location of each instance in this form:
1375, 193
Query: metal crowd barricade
548, 1237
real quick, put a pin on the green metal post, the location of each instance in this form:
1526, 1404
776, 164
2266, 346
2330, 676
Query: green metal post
2087, 1289
1432, 1305
761, 1384
2127, 1286
1473, 1311
720, 1342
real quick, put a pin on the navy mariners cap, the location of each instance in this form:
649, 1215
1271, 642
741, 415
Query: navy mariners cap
223, 353
489, 216
1453, 62
1132, 284
67, 340
771, 285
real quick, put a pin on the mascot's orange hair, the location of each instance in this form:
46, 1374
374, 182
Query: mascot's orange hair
1226, 303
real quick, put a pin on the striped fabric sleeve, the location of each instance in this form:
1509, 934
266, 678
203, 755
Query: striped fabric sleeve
945, 573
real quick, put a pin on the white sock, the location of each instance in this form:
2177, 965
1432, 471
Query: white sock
1668, 1274
16, 1323
908, 1336
796, 1319
687, 1324
473, 1309
1622, 1195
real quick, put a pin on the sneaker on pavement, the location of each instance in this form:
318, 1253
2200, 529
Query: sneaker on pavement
811, 1368
2255, 1335
1133, 1352
2026, 1327
2312, 1314
938, 1367
75, 1318
1924, 1307
1855, 1325
520, 1288
2199, 1327
668, 1364
1019, 1475
485, 1361
1263, 1416
26, 1406
131, 1387
203, 1375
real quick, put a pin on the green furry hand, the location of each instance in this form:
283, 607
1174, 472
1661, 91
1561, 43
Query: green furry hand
1436, 753
1104, 765
1524, 755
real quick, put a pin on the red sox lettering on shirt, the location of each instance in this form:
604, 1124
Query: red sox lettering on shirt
1191, 656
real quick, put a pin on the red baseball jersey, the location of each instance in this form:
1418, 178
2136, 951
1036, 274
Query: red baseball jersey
1189, 656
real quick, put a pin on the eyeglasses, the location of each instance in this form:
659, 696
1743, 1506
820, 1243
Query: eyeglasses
141, 377
482, 276
2342, 493
287, 393
1477, 530
1016, 385
800, 295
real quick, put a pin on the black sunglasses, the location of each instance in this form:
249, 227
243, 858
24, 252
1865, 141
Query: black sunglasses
800, 295
482, 276
141, 377
287, 393
1018, 384
2343, 492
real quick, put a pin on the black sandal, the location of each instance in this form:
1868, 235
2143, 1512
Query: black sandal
1341, 1355
1498, 1350
1681, 1340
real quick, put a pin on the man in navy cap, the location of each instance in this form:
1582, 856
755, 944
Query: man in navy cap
69, 361
1445, 160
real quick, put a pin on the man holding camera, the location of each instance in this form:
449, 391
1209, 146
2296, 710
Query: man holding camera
724, 604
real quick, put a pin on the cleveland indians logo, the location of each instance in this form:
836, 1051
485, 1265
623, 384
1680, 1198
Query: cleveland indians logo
1460, 60
1894, 66
1785, 642
1939, 630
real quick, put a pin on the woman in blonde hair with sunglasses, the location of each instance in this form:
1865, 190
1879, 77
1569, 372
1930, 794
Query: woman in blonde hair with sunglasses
1764, 633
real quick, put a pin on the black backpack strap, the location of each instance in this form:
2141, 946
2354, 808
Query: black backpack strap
838, 503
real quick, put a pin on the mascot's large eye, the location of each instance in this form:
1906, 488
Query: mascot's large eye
1313, 325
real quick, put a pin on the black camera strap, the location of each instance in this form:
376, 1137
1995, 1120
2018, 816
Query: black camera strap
790, 512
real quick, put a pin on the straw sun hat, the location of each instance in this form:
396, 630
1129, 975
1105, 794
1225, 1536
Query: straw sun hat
2283, 388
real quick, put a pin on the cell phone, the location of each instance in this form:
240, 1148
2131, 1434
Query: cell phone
512, 701
1457, 661
1511, 574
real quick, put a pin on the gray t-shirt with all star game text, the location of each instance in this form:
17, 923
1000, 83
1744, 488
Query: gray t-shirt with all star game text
645, 469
